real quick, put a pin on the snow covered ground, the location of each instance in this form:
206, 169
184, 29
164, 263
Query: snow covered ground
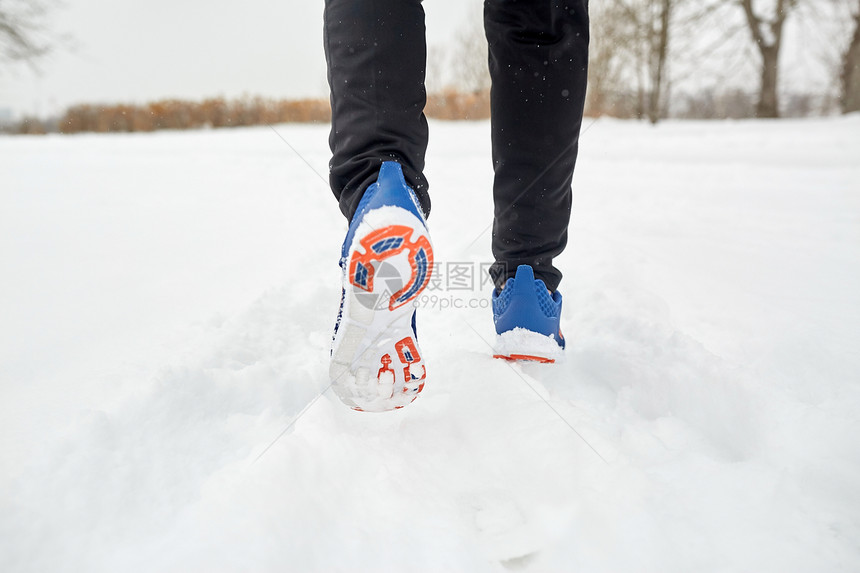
165, 314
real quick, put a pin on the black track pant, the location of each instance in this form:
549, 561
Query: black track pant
376, 56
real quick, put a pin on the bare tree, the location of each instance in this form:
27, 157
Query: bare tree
850, 99
632, 42
468, 63
659, 51
647, 22
629, 46
767, 36
461, 65
608, 60
24, 34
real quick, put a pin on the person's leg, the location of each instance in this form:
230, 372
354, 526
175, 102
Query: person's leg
376, 55
538, 63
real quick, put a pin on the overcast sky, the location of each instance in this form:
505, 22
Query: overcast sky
135, 51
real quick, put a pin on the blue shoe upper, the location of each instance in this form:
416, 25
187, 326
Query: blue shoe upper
390, 188
526, 303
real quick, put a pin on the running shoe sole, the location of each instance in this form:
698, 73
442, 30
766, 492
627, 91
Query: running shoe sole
376, 364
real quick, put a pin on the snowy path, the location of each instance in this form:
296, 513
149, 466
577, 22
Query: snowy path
166, 307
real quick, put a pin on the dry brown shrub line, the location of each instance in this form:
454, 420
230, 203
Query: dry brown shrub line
449, 104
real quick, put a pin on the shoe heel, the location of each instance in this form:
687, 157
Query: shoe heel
527, 319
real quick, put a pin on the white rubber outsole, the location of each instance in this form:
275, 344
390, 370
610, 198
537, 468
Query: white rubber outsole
524, 345
376, 364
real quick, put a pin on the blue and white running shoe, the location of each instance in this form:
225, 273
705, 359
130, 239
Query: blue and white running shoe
387, 261
527, 318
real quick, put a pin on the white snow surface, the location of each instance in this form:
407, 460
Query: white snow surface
166, 310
